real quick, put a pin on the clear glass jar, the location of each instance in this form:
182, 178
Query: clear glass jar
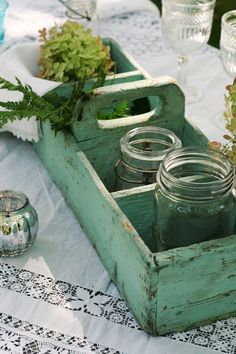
18, 223
142, 150
194, 199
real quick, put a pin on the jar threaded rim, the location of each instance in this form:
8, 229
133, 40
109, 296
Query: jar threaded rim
213, 175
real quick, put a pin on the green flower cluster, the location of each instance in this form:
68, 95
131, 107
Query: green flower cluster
71, 53
229, 149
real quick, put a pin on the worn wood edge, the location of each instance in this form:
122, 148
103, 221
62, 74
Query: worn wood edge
150, 276
146, 83
122, 122
197, 250
202, 279
136, 190
138, 207
124, 75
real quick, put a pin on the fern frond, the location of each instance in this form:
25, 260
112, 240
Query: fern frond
58, 110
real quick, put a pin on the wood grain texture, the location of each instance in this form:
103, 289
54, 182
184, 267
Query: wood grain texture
137, 205
168, 291
196, 284
128, 260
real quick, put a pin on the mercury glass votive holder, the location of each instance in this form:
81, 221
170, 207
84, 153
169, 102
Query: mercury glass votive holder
18, 223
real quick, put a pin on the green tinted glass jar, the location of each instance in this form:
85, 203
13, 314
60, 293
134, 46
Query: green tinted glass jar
193, 197
142, 150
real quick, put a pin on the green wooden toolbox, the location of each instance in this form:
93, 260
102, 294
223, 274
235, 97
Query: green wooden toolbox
167, 291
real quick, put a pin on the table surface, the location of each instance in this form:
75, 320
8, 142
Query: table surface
57, 297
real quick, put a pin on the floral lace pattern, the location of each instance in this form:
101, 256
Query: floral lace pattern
137, 32
17, 336
66, 295
219, 335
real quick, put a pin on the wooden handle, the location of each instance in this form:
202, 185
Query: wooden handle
169, 101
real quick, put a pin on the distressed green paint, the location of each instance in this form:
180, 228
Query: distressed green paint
169, 291
108, 228
196, 284
137, 204
101, 145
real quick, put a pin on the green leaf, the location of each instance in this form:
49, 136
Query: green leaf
122, 110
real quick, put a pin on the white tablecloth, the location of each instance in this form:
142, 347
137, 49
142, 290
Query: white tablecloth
57, 297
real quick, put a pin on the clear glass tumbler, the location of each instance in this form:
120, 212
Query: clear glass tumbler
228, 42
186, 27
142, 150
194, 198
18, 223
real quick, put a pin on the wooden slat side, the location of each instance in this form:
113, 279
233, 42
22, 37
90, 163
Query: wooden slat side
193, 136
196, 284
129, 262
138, 207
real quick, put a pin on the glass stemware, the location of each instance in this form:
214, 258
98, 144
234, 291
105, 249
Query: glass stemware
228, 42
228, 53
83, 11
186, 26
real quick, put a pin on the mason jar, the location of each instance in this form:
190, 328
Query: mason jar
193, 197
142, 150
18, 223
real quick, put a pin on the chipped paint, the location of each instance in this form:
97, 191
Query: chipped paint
128, 227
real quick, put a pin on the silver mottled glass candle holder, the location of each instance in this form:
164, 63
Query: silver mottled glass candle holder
18, 223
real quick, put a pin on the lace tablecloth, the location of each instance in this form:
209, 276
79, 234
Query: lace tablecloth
57, 297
